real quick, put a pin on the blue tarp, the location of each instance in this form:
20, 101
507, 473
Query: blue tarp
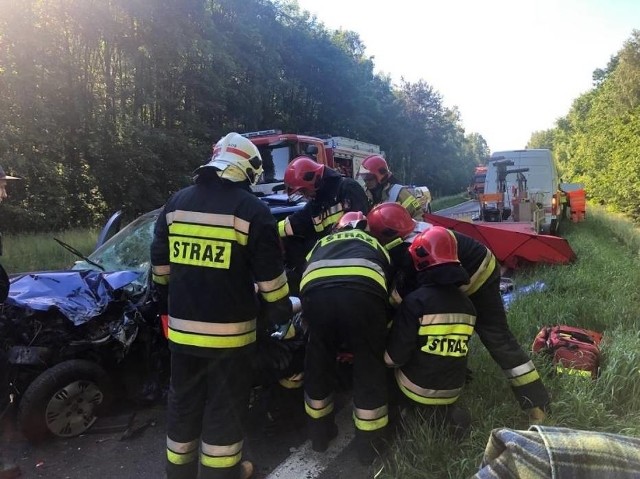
78, 295
508, 298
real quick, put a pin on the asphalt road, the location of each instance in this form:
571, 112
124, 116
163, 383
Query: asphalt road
278, 449
466, 209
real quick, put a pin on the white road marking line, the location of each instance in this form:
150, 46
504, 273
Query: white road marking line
307, 463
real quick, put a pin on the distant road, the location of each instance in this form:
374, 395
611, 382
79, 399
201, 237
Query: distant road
463, 210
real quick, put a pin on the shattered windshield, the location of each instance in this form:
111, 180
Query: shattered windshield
127, 250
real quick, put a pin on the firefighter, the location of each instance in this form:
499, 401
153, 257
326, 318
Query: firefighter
6, 470
394, 228
344, 291
215, 239
329, 195
382, 187
4, 278
429, 339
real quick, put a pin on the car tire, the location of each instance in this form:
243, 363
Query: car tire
64, 400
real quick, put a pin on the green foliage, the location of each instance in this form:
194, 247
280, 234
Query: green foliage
111, 104
599, 291
598, 142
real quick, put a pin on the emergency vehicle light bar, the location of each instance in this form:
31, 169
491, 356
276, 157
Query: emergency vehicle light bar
254, 134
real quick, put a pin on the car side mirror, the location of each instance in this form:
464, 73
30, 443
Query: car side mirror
111, 227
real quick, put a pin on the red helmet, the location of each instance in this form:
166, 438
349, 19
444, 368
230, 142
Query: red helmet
351, 221
303, 173
388, 221
377, 166
435, 246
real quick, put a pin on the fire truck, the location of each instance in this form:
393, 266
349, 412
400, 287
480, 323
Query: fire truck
278, 149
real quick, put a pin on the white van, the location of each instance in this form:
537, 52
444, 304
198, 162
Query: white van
542, 182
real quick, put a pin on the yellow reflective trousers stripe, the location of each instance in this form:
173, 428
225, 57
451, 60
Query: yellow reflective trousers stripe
180, 459
207, 341
372, 424
318, 413
221, 461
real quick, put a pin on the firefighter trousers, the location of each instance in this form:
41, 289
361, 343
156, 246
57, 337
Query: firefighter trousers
494, 332
355, 319
207, 408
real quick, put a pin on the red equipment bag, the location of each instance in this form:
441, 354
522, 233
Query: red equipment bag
574, 350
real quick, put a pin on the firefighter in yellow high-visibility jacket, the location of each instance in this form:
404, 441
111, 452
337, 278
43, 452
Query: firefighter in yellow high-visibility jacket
344, 301
213, 240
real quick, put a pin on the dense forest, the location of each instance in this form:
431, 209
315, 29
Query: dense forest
109, 104
598, 142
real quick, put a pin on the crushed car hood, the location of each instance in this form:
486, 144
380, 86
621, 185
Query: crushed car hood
78, 295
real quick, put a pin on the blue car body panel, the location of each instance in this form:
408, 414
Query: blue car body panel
78, 295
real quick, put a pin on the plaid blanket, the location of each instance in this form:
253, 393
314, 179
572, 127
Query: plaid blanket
559, 453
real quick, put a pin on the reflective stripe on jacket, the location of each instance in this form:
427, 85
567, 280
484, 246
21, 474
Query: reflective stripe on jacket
218, 241
336, 196
353, 258
428, 343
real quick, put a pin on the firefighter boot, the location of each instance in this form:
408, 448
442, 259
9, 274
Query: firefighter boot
458, 420
9, 471
322, 431
246, 470
369, 447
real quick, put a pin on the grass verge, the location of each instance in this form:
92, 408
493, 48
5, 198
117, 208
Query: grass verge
37, 252
599, 291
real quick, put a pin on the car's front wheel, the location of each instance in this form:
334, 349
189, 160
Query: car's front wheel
64, 401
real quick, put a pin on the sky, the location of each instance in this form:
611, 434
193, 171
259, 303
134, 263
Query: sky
511, 67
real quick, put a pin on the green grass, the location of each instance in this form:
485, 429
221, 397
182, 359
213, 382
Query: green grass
448, 201
41, 252
599, 291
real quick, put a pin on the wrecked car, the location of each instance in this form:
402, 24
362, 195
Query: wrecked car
73, 341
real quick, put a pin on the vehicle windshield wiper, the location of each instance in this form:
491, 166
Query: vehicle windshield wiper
70, 248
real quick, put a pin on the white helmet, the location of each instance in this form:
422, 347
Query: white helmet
235, 158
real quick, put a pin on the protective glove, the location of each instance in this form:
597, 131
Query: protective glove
160, 295
536, 415
282, 331
272, 358
276, 313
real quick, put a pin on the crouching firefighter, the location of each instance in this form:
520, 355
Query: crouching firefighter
429, 339
393, 227
344, 299
215, 239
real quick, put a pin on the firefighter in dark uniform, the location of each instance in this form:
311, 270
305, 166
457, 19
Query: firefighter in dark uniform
344, 300
428, 342
5, 469
329, 195
393, 226
218, 243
